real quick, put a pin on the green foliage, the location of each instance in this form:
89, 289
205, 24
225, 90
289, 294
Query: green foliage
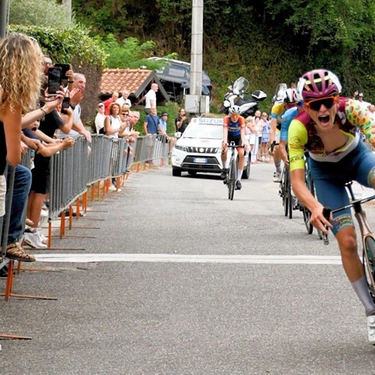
66, 44
38, 12
129, 54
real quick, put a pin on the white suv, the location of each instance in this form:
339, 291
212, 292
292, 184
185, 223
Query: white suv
199, 148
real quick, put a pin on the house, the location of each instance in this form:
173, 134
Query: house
136, 81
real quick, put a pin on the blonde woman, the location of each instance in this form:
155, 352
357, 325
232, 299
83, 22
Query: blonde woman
20, 82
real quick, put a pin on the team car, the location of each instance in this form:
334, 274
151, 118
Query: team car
198, 150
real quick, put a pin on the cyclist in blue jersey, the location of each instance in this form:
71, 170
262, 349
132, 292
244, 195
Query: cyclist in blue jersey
287, 117
234, 130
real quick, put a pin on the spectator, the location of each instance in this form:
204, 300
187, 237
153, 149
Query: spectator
151, 98
130, 135
20, 72
258, 138
151, 127
265, 137
163, 128
181, 121
76, 96
360, 99
99, 119
252, 136
355, 95
109, 101
124, 114
114, 129
124, 99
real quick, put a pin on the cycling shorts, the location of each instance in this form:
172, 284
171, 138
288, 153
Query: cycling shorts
330, 178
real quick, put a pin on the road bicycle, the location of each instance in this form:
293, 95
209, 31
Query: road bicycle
285, 192
367, 237
231, 177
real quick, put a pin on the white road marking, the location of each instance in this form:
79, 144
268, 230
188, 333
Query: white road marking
183, 258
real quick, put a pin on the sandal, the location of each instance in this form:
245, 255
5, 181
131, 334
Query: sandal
16, 252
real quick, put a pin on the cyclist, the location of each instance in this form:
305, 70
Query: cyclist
328, 129
288, 116
278, 109
234, 130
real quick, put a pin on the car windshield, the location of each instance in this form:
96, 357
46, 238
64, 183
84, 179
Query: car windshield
204, 131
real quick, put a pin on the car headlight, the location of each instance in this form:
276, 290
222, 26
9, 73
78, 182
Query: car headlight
182, 148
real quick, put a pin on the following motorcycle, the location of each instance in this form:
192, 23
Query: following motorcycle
236, 96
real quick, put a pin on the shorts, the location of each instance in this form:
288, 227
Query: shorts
330, 178
41, 174
3, 190
150, 140
237, 140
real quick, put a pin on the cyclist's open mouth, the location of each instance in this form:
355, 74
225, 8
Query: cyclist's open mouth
324, 120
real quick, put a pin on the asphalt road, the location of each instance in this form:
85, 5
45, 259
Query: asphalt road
170, 277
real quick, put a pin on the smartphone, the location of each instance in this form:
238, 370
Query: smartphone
65, 105
54, 80
64, 69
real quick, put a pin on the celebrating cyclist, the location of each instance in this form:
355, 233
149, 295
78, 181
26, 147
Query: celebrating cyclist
328, 129
278, 109
234, 130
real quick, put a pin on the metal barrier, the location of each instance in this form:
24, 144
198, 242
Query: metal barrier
75, 169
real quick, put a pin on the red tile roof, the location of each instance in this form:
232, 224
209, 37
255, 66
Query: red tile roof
136, 81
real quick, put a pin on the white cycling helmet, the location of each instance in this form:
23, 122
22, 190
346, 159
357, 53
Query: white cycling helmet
234, 110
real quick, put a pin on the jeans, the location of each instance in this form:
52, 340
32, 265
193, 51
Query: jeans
21, 189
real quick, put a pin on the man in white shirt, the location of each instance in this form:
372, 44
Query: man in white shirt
151, 98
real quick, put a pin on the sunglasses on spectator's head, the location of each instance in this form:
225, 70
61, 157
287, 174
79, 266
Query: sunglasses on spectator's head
328, 102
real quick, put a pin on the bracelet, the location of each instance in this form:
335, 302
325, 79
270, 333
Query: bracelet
44, 112
70, 81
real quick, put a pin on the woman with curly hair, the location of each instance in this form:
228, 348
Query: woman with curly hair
20, 82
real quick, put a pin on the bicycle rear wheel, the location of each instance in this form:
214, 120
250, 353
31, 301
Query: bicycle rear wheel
306, 211
370, 264
231, 178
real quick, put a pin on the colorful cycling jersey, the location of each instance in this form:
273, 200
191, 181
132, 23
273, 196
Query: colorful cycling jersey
277, 111
287, 118
234, 128
351, 116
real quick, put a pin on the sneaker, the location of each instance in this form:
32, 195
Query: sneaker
277, 177
238, 185
34, 240
223, 174
371, 329
112, 188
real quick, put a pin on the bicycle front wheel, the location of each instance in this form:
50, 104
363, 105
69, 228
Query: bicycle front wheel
231, 179
370, 264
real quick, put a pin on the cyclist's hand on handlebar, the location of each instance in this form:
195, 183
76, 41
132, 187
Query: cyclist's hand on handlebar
318, 219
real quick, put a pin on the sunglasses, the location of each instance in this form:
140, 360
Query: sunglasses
125, 113
100, 106
328, 102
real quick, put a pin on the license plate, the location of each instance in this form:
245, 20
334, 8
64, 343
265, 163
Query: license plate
200, 160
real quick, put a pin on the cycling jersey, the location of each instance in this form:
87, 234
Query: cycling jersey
351, 117
277, 111
234, 128
286, 120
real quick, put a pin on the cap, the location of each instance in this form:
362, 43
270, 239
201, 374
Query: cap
164, 114
360, 94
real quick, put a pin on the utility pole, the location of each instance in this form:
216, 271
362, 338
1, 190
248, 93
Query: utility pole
3, 18
68, 4
194, 101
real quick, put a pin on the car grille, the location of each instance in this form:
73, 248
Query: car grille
203, 150
212, 164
